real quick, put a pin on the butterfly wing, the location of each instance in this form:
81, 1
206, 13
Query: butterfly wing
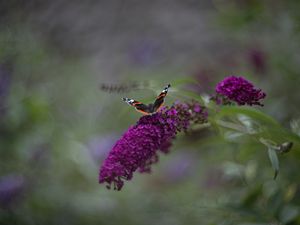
140, 107
159, 101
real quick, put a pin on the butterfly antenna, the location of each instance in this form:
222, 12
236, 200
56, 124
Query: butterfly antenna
167, 87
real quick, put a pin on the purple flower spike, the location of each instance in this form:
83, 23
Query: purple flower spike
240, 90
138, 148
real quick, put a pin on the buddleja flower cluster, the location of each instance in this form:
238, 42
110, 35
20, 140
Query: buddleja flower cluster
138, 148
239, 90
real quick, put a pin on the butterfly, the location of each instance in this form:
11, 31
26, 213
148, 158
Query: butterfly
152, 107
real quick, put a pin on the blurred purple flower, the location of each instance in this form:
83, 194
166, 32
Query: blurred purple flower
5, 81
205, 79
99, 146
11, 187
240, 90
178, 168
40, 155
145, 52
213, 178
257, 60
138, 147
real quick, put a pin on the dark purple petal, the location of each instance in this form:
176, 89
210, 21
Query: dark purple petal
11, 187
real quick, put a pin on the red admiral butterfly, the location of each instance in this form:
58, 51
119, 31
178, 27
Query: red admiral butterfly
151, 108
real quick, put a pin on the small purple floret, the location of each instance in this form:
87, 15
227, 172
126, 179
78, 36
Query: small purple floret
240, 90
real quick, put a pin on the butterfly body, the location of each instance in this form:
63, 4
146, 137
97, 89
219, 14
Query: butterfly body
152, 107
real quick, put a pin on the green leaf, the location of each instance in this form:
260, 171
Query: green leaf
289, 213
250, 112
261, 124
193, 95
232, 126
274, 161
282, 135
267, 142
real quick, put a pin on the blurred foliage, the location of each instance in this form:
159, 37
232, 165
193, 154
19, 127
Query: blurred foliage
56, 126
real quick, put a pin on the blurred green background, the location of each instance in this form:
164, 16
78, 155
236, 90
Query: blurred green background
57, 126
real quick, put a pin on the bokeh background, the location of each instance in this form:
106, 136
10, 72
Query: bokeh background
57, 125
